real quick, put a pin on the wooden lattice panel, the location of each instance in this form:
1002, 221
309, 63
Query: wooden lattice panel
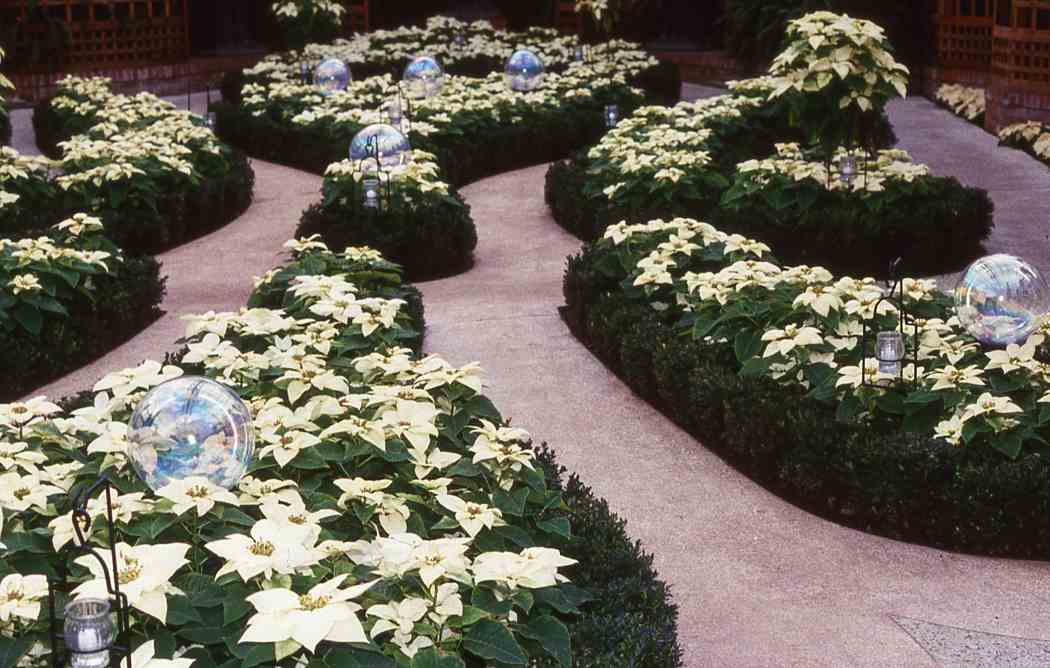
107, 33
964, 34
1022, 44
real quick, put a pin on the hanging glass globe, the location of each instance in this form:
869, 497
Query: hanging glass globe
332, 75
1001, 299
383, 143
524, 71
423, 77
191, 426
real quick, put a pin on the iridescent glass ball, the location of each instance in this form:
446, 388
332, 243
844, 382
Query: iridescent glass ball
423, 77
331, 75
524, 71
191, 426
1001, 299
383, 143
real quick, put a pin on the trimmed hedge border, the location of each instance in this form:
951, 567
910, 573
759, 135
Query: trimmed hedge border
130, 299
180, 216
938, 233
429, 242
631, 622
873, 478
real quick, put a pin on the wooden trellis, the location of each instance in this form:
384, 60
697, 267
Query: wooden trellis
107, 33
357, 17
567, 20
964, 34
1021, 49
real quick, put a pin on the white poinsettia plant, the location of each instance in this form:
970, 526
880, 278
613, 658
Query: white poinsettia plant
1032, 137
966, 101
802, 326
834, 72
128, 149
390, 510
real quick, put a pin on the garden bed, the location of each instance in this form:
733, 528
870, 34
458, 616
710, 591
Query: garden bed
165, 214
806, 445
471, 130
615, 612
936, 230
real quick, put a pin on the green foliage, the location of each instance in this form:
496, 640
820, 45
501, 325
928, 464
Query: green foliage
868, 475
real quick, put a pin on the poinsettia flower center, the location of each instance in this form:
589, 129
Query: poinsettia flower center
198, 492
262, 548
131, 571
307, 602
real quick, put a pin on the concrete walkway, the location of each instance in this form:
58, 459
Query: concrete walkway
1018, 184
758, 581
213, 272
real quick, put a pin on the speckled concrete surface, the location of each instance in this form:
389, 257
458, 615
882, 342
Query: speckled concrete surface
214, 272
952, 647
23, 139
758, 581
1017, 183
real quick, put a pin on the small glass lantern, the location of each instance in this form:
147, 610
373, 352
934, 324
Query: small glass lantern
209, 120
304, 74
578, 53
889, 350
370, 193
460, 39
89, 631
847, 168
612, 115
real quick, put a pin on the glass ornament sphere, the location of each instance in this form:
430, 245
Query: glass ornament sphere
423, 77
524, 71
381, 142
1001, 299
331, 76
191, 426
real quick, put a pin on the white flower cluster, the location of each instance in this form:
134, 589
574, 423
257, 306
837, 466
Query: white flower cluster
964, 101
872, 173
825, 319
823, 46
306, 393
130, 139
1030, 135
291, 9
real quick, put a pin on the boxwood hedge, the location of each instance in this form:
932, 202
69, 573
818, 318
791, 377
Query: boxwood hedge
175, 218
936, 232
132, 295
874, 478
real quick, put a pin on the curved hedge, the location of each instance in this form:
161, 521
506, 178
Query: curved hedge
131, 293
936, 232
617, 612
171, 219
872, 476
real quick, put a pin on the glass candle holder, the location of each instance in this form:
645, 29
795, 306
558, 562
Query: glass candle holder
88, 628
93, 660
304, 73
612, 115
889, 350
460, 39
370, 197
209, 120
847, 169
393, 112
577, 54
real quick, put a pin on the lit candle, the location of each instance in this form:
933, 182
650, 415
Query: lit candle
612, 115
371, 193
889, 350
88, 632
459, 39
847, 168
